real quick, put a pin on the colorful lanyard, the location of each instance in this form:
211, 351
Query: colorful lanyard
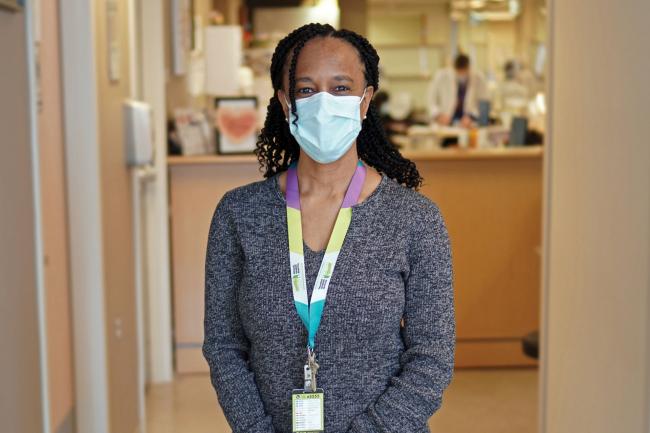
310, 312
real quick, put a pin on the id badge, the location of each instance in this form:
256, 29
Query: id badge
308, 411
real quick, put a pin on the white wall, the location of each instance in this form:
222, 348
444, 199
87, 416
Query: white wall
283, 20
151, 69
596, 345
84, 214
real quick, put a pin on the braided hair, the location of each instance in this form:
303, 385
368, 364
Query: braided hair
276, 148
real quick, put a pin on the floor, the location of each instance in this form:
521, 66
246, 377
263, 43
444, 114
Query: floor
478, 400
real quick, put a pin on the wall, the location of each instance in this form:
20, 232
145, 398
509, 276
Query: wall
531, 28
354, 15
412, 41
596, 350
20, 393
54, 226
117, 226
490, 44
280, 21
177, 88
406, 33
229, 8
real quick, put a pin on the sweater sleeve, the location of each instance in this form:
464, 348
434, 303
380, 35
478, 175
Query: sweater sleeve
429, 334
225, 345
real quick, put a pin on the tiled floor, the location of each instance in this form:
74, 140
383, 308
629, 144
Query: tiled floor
477, 401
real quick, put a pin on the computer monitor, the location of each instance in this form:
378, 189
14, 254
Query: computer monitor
484, 112
518, 131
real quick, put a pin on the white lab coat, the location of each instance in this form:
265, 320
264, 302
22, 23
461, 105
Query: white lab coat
443, 93
512, 97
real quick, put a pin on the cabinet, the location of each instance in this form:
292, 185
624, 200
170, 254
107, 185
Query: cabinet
490, 198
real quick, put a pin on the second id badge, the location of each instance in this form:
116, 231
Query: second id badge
307, 411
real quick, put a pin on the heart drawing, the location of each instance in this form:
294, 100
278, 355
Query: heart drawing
236, 124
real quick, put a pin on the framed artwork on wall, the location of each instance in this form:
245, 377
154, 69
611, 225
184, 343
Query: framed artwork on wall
236, 123
194, 131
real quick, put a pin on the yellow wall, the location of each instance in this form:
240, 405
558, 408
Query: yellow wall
408, 24
531, 29
597, 357
404, 35
117, 228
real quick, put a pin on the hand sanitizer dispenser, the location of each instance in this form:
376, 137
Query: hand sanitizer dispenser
138, 133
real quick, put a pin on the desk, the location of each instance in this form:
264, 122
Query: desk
491, 201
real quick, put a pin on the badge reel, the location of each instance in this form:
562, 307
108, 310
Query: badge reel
307, 405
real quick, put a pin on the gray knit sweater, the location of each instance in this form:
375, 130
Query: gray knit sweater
378, 376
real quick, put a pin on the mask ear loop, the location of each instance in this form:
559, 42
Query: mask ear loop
361, 100
289, 106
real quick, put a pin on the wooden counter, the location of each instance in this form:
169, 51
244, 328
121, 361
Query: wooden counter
447, 154
490, 199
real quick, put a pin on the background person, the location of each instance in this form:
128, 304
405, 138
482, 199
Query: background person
512, 94
455, 92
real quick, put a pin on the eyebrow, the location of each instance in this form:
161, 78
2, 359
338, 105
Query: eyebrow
336, 77
343, 78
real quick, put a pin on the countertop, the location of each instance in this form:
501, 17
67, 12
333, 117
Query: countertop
420, 155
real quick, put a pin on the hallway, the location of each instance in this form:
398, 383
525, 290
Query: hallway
125, 122
485, 400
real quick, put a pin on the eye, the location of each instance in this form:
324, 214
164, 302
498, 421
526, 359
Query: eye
304, 91
341, 89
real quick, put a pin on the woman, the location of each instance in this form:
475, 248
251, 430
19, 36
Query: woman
378, 354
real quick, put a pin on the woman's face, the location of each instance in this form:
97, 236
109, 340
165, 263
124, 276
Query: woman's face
327, 64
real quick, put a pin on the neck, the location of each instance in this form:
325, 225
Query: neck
326, 179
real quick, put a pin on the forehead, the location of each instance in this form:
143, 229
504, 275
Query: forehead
328, 55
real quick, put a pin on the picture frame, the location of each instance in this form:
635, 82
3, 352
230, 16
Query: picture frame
194, 131
236, 122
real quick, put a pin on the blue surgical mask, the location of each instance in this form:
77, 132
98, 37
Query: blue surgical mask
327, 125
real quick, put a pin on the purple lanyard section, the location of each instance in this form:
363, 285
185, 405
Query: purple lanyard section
351, 195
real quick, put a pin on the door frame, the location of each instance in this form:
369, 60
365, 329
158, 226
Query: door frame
547, 173
30, 15
82, 159
152, 90
83, 188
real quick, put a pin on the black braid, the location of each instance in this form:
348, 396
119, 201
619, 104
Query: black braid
277, 148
